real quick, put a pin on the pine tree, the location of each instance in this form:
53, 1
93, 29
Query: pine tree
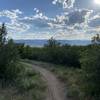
3, 34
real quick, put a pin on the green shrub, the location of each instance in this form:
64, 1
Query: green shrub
91, 74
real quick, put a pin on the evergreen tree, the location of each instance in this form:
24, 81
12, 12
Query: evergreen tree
3, 34
8, 57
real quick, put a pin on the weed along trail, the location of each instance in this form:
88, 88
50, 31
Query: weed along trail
55, 90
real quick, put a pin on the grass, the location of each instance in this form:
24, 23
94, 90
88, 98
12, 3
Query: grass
68, 75
28, 86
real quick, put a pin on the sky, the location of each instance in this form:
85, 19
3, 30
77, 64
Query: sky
43, 19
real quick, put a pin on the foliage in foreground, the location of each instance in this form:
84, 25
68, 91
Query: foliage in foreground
91, 74
70, 76
17, 80
83, 83
8, 57
26, 87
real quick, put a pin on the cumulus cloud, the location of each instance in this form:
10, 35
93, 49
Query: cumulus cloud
13, 14
39, 19
95, 21
33, 35
17, 27
76, 19
94, 24
64, 3
37, 10
14, 25
79, 16
74, 24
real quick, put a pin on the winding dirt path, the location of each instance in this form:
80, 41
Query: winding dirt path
55, 88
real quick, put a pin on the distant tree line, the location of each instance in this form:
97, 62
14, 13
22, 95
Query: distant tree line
52, 52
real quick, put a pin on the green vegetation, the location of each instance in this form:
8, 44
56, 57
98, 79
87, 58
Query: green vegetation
91, 73
81, 66
8, 57
26, 87
69, 76
64, 55
18, 81
77, 66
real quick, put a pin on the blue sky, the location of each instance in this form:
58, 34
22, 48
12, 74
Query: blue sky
42, 19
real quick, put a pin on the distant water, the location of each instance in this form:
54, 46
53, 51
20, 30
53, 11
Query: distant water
40, 43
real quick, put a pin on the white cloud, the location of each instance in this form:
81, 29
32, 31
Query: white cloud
94, 22
71, 22
17, 11
45, 35
68, 25
17, 27
65, 3
14, 25
13, 14
37, 10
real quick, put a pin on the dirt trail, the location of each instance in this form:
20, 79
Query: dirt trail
55, 87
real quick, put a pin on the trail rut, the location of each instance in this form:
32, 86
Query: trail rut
55, 89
